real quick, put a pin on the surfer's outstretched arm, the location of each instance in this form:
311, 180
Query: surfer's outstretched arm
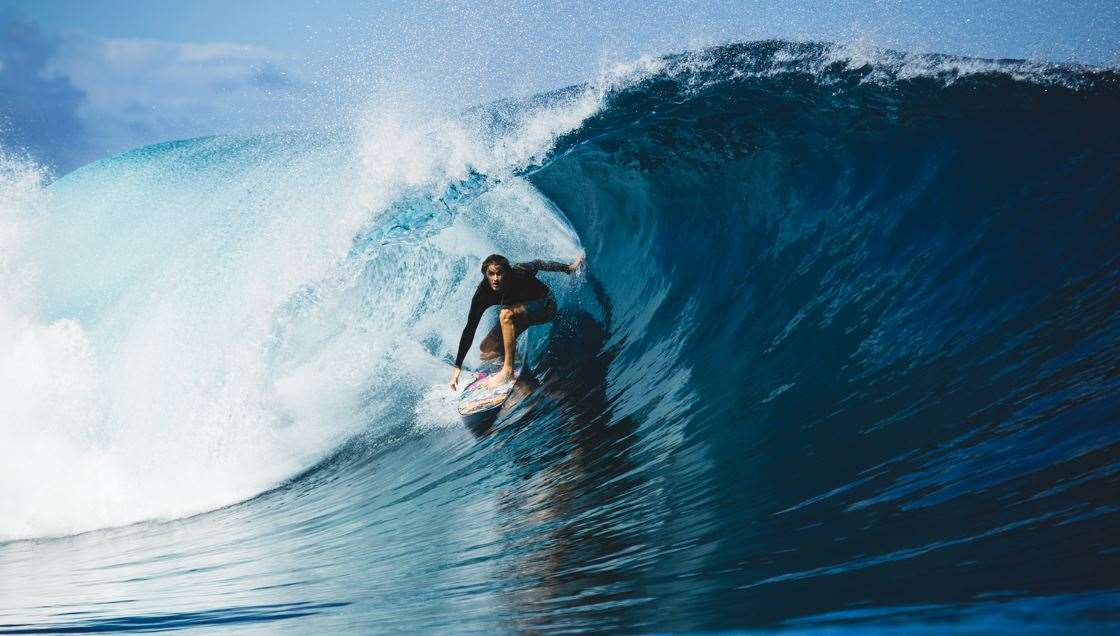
465, 340
552, 266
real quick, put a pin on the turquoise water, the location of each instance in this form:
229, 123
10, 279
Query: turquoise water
843, 360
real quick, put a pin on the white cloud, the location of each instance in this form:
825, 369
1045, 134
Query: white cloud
140, 91
38, 110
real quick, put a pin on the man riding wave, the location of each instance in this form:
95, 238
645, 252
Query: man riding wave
524, 300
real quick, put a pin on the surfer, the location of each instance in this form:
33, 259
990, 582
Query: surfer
525, 301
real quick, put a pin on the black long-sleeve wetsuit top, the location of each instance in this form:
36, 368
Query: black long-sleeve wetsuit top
519, 285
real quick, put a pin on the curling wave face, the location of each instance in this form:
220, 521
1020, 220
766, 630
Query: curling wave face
845, 354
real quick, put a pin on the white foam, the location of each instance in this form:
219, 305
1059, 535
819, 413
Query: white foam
183, 329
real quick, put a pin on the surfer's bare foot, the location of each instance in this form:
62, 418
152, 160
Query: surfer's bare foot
500, 377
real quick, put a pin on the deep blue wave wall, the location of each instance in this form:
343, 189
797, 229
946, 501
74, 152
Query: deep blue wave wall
898, 301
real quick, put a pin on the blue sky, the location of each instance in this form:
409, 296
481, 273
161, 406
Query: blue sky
80, 80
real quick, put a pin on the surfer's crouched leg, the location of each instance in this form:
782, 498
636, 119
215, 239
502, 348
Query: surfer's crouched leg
491, 346
523, 315
514, 319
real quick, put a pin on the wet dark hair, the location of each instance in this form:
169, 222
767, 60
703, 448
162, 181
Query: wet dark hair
496, 259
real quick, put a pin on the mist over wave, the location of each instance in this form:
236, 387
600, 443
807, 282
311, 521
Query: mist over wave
845, 353
195, 321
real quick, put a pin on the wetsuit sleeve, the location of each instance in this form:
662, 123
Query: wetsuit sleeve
478, 305
543, 266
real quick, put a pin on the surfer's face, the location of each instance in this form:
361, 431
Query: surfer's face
494, 275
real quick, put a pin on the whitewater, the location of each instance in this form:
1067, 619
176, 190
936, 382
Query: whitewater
844, 358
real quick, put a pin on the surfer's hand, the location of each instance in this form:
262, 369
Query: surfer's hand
454, 384
576, 264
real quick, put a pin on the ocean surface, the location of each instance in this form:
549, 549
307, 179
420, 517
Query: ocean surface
845, 358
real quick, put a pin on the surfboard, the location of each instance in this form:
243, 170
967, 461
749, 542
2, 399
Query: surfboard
479, 401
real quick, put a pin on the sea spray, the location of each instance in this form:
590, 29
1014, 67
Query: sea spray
206, 327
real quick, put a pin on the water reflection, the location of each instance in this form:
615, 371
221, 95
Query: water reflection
568, 516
